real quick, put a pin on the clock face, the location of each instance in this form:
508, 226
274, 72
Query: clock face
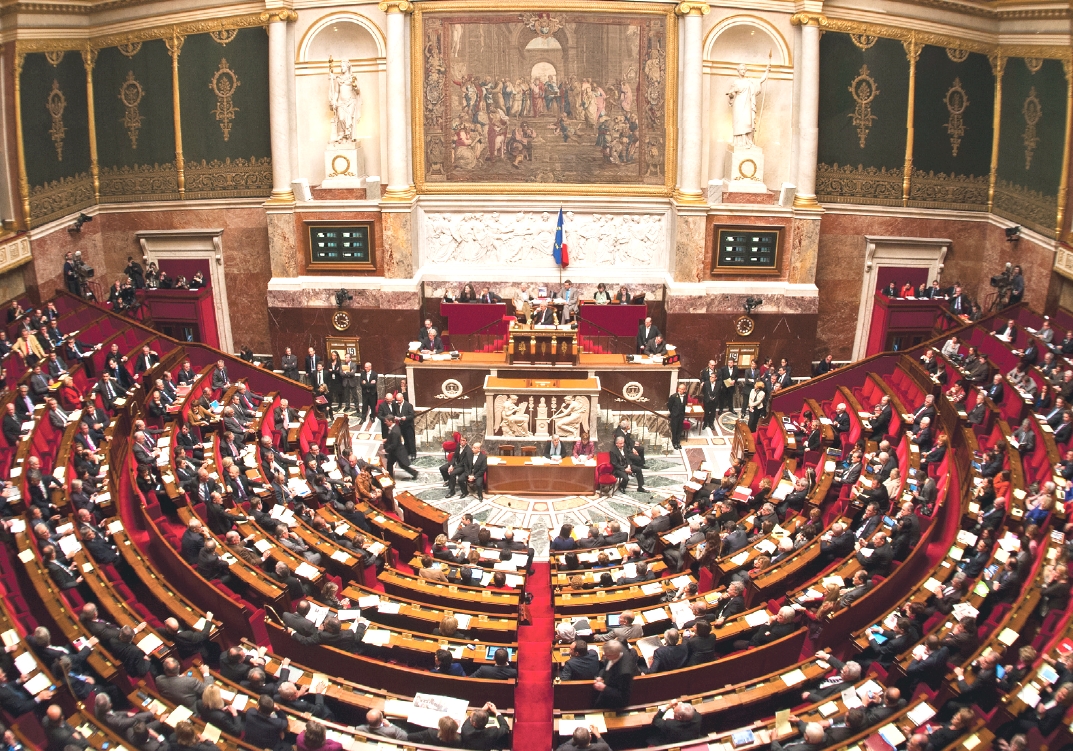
744, 326
341, 320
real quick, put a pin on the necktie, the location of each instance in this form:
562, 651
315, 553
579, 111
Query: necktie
89, 443
109, 390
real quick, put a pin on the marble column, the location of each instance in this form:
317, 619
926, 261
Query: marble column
398, 144
808, 111
689, 166
279, 110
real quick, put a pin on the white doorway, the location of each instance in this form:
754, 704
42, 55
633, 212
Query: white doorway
204, 244
893, 252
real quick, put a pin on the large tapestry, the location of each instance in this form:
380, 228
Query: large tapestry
524, 98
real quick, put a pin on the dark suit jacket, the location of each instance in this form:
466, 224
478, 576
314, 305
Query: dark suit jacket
644, 337
618, 682
582, 668
669, 658
675, 731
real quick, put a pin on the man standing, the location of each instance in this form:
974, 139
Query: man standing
646, 332
728, 378
289, 363
395, 449
312, 361
711, 391
676, 409
369, 394
404, 416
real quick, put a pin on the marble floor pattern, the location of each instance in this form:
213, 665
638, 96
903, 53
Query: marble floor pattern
544, 515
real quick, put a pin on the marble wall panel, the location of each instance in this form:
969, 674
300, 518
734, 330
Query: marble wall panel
703, 336
384, 334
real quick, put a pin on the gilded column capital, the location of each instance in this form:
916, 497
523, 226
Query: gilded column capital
396, 6
89, 57
998, 64
279, 15
692, 9
808, 19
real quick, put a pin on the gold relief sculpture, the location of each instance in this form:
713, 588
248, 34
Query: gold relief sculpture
238, 178
864, 93
223, 85
130, 93
1033, 64
60, 197
54, 57
864, 41
130, 49
56, 104
140, 182
941, 191
1033, 111
957, 55
956, 103
848, 184
1032, 208
223, 36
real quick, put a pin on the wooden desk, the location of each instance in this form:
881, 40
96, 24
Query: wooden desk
517, 474
538, 345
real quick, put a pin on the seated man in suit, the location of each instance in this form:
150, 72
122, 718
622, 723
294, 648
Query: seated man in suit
544, 315
433, 344
584, 663
623, 468
500, 671
555, 449
656, 346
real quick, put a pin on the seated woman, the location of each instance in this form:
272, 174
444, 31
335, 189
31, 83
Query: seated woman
601, 296
564, 540
583, 447
329, 595
446, 665
468, 294
71, 396
212, 709
622, 297
449, 628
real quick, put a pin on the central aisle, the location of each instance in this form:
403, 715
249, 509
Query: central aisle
533, 695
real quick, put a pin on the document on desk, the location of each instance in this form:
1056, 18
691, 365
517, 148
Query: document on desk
177, 715
306, 571
827, 709
369, 601
740, 558
652, 588
377, 637
758, 618
351, 614
37, 684
150, 643
677, 536
389, 607
629, 571
920, 714
25, 663
794, 677
462, 618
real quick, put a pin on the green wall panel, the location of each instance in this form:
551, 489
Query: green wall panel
1030, 153
226, 142
136, 145
59, 180
851, 171
952, 154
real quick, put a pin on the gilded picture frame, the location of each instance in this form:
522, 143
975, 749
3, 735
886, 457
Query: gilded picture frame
426, 12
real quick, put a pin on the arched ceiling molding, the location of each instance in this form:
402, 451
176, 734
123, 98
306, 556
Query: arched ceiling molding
756, 22
346, 17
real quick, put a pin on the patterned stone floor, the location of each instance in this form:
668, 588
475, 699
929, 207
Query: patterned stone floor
663, 475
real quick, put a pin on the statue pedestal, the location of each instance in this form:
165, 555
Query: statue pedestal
744, 172
344, 166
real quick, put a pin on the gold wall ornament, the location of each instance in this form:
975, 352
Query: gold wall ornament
957, 55
131, 93
956, 103
1033, 64
223, 36
89, 60
864, 41
284, 15
54, 57
130, 49
1033, 111
864, 92
56, 104
223, 85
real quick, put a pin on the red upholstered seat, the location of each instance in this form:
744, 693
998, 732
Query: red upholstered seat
449, 447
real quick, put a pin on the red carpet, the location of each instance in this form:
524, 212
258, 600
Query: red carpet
533, 695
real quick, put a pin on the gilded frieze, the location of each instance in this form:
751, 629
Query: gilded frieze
140, 182
848, 184
1033, 208
238, 178
60, 197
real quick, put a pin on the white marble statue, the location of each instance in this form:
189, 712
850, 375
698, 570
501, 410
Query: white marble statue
512, 417
344, 100
572, 416
742, 95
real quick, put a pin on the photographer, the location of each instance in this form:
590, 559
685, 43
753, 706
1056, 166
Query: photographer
83, 273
